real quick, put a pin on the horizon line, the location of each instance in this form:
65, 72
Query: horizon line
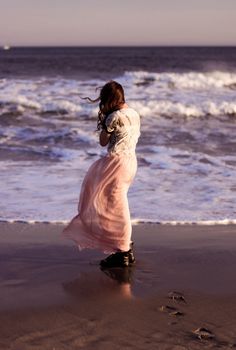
118, 46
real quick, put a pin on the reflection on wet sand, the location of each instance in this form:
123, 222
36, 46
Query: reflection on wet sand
93, 284
123, 277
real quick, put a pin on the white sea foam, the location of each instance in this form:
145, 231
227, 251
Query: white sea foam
172, 109
170, 94
135, 222
175, 223
176, 187
189, 80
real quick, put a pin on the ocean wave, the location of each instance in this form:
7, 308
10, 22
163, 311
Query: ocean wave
174, 109
152, 108
189, 80
152, 94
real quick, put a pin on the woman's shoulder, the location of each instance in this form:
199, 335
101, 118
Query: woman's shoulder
131, 114
128, 111
119, 117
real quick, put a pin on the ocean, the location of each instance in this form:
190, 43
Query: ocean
186, 97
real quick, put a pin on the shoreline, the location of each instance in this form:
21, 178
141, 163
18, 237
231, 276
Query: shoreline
134, 222
54, 296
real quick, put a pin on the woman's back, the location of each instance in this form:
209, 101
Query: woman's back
124, 126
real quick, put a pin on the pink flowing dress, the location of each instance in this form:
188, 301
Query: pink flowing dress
103, 220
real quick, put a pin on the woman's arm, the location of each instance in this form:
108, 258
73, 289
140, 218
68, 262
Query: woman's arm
104, 138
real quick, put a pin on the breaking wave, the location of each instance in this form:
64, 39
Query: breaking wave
153, 94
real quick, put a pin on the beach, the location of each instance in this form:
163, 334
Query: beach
181, 293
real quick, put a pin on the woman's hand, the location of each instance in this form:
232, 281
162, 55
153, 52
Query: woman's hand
104, 138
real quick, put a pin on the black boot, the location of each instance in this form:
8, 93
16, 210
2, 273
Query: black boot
119, 259
131, 254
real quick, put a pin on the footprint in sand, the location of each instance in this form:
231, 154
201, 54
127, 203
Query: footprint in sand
172, 311
177, 313
203, 333
177, 296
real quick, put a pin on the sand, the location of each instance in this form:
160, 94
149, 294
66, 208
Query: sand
54, 297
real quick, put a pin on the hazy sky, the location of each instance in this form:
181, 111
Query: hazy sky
112, 22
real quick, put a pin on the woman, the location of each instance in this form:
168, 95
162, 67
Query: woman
103, 220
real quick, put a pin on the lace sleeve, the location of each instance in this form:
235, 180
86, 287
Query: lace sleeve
111, 122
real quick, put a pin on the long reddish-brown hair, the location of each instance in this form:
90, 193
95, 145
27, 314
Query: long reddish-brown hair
111, 98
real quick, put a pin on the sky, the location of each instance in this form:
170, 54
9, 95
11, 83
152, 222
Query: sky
112, 22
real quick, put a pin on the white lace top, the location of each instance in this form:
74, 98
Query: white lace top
124, 126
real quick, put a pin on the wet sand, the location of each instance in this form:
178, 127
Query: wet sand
54, 297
